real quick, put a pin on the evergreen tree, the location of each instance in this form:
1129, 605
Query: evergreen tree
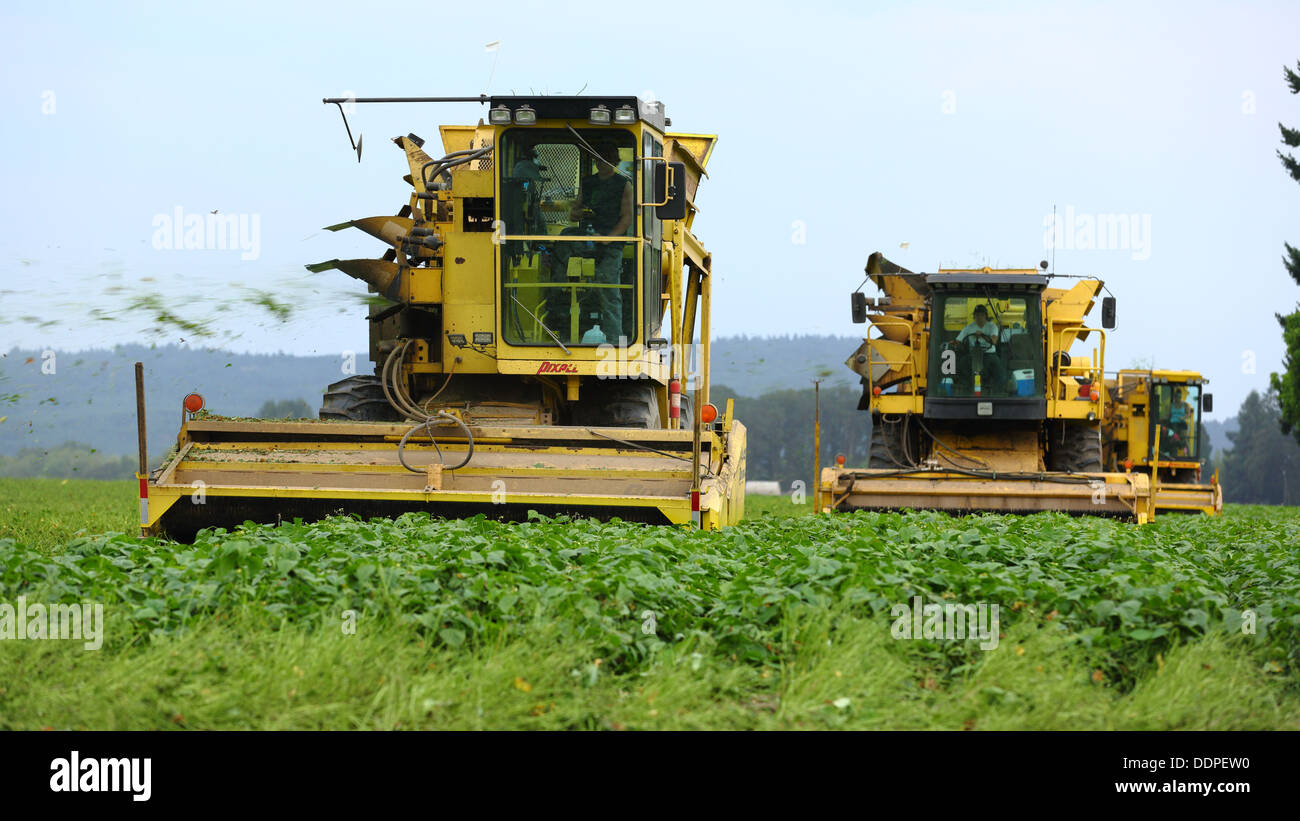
1287, 384
1263, 465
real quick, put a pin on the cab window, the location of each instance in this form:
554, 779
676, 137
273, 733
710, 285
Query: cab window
1178, 413
565, 201
987, 345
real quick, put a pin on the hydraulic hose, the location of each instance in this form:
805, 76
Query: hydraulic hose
427, 425
395, 393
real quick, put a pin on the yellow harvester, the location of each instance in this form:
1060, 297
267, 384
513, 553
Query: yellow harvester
521, 356
978, 399
1146, 404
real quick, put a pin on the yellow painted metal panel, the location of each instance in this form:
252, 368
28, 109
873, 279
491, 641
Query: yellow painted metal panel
425, 285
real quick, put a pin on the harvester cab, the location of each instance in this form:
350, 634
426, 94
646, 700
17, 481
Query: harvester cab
978, 401
533, 326
1153, 423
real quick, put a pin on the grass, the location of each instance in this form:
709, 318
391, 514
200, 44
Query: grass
234, 674
781, 622
757, 507
47, 513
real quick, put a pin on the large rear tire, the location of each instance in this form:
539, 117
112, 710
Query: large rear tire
620, 404
358, 398
1075, 448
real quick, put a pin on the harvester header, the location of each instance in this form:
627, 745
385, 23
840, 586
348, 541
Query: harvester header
533, 331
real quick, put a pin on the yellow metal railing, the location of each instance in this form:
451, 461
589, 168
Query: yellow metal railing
1095, 370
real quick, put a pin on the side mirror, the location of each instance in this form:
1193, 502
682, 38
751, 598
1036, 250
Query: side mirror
859, 307
673, 196
1108, 313
1207, 402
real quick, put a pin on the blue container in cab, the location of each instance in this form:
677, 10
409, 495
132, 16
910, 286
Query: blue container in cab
1025, 382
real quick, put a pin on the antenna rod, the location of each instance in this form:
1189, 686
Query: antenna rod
482, 98
1054, 237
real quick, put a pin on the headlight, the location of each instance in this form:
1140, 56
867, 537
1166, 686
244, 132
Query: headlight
525, 116
499, 116
625, 115
599, 116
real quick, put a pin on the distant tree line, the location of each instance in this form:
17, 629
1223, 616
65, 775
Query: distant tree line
779, 428
71, 460
286, 409
1263, 465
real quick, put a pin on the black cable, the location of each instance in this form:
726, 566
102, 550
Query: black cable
427, 425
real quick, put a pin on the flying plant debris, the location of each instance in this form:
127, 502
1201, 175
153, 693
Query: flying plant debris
191, 313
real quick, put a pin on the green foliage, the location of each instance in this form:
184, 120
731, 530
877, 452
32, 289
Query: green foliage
781, 621
1287, 385
1291, 261
45, 513
1263, 465
842, 673
1123, 591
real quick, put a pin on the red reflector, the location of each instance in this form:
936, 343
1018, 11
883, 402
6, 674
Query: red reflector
875, 391
193, 402
144, 488
1084, 390
839, 459
695, 501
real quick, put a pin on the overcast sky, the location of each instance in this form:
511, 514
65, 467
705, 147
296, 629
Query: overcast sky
939, 133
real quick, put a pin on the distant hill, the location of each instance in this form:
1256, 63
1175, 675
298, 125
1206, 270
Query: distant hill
90, 397
753, 366
1218, 431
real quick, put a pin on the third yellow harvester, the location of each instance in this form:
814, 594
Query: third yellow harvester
979, 399
1148, 405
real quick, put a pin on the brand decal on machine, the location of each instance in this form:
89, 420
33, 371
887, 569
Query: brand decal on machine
557, 367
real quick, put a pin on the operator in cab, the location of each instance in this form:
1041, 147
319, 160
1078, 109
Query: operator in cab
1178, 422
982, 334
604, 209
